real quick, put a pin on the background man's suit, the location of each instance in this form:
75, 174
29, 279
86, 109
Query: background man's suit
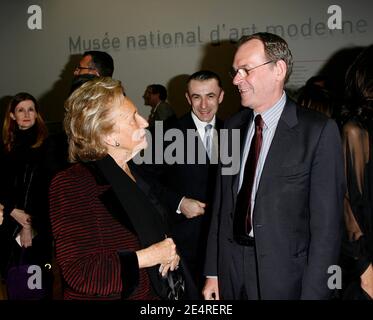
196, 181
298, 210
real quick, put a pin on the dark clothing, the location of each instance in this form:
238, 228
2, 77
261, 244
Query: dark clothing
89, 235
243, 271
24, 185
193, 179
161, 112
297, 217
100, 217
57, 153
357, 254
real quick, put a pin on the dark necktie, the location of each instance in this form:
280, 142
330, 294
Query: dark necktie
242, 217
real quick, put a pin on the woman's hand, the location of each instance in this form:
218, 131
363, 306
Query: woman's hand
21, 217
26, 237
163, 253
170, 265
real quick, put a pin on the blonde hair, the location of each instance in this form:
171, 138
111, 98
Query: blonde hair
88, 119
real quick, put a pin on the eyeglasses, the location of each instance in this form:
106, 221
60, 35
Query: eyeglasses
82, 68
244, 72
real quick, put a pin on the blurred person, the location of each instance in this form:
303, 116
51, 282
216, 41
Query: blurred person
357, 134
315, 97
110, 239
98, 63
155, 96
81, 79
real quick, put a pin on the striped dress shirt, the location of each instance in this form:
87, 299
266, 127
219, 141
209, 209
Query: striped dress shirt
270, 118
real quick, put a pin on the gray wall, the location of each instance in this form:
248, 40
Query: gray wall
163, 42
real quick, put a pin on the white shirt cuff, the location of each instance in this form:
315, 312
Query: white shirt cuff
178, 211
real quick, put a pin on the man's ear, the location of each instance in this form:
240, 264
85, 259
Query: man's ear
221, 96
12, 116
188, 98
281, 69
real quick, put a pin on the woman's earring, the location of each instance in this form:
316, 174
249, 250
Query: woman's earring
117, 144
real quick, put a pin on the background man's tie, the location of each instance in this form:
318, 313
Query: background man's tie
207, 139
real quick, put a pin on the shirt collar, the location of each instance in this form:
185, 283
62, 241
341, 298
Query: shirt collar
201, 124
273, 114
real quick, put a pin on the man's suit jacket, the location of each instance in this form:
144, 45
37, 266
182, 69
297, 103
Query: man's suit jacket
298, 210
163, 112
196, 181
193, 180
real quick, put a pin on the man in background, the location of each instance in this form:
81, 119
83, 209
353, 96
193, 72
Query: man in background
155, 96
98, 63
188, 186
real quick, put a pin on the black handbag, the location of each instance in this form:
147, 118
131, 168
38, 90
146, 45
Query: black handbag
176, 285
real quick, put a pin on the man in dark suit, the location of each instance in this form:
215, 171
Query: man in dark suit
276, 225
188, 185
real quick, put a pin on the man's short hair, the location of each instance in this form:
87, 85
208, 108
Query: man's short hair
203, 75
275, 48
102, 61
159, 89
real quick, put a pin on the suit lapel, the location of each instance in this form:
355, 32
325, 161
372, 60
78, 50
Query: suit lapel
283, 136
282, 139
243, 126
215, 142
145, 219
108, 197
138, 213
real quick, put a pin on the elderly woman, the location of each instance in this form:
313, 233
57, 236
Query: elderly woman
110, 240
